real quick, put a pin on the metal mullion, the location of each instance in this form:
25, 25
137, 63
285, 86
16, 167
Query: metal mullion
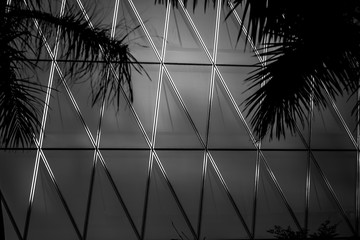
161, 71
341, 118
167, 73
98, 135
212, 76
31, 197
201, 203
44, 117
256, 189
176, 198
155, 122
230, 197
244, 30
280, 191
218, 71
210, 101
308, 167
137, 119
327, 184
11, 217
147, 193
240, 115
97, 150
356, 144
91, 138
196, 31
183, 106
144, 29
246, 126
58, 191
120, 199
88, 205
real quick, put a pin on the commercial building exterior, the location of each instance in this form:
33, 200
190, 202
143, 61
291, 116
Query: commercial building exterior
181, 161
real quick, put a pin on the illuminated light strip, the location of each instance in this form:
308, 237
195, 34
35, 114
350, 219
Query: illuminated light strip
161, 72
223, 183
212, 76
327, 183
144, 29
11, 217
142, 129
183, 106
203, 178
196, 31
217, 70
279, 189
154, 152
44, 117
256, 188
77, 109
98, 136
57, 189
91, 138
356, 145
167, 73
249, 39
341, 118
308, 167
210, 102
176, 198
147, 191
255, 143
155, 121
215, 67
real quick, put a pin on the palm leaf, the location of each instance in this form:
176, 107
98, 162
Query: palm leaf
311, 46
19, 41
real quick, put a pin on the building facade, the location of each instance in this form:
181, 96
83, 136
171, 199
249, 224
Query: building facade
181, 161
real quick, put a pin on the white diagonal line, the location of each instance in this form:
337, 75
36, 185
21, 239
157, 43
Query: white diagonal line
137, 119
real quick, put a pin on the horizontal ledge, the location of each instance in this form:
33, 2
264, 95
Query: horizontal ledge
184, 149
148, 63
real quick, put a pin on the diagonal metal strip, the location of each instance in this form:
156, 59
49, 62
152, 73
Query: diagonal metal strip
45, 114
328, 185
202, 191
155, 120
240, 115
98, 136
183, 106
303, 139
117, 78
176, 198
338, 114
77, 109
171, 81
11, 217
58, 191
229, 195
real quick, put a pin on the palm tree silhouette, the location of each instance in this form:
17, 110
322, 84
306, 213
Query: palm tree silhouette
312, 51
26, 27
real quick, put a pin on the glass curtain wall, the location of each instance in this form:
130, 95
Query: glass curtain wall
181, 161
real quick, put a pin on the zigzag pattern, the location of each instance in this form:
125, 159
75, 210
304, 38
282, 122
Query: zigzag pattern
181, 162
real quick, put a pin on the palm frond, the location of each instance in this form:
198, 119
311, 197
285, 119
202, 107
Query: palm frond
312, 46
20, 41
